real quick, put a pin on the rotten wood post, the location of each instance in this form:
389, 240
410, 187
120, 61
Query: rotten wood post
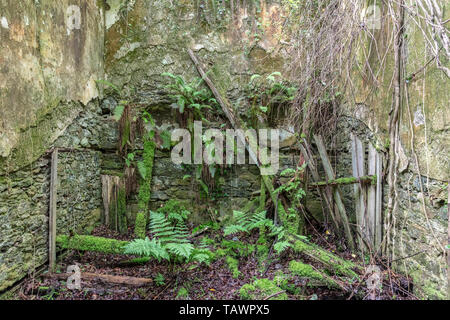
336, 190
379, 203
315, 175
371, 196
359, 190
52, 211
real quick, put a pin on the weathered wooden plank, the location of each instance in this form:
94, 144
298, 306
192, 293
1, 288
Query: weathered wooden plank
371, 196
345, 181
356, 159
52, 211
448, 232
109, 195
336, 191
325, 197
379, 203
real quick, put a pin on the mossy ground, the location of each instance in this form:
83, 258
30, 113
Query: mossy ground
243, 267
262, 289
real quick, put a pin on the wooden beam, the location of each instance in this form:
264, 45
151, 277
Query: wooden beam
52, 211
226, 107
379, 203
345, 181
328, 200
91, 243
371, 196
336, 191
359, 191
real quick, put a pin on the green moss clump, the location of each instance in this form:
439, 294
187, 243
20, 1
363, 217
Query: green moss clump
304, 270
300, 246
307, 271
261, 289
233, 266
331, 261
140, 225
281, 280
91, 243
145, 185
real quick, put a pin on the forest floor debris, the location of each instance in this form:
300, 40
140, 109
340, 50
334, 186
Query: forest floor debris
209, 282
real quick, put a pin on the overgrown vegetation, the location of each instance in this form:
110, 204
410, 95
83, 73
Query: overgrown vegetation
170, 238
270, 98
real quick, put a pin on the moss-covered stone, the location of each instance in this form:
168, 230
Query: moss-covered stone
91, 243
145, 185
261, 289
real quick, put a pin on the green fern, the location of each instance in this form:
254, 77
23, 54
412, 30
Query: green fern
170, 241
118, 112
174, 211
247, 222
142, 169
180, 249
147, 248
281, 246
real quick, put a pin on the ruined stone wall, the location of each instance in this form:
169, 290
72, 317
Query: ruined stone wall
49, 61
50, 57
415, 236
24, 199
418, 234
51, 53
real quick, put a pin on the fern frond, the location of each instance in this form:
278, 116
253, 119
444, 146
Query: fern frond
118, 112
142, 169
281, 246
147, 248
232, 229
180, 249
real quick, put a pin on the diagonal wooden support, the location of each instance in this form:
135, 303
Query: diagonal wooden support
359, 191
371, 195
336, 190
238, 124
326, 199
